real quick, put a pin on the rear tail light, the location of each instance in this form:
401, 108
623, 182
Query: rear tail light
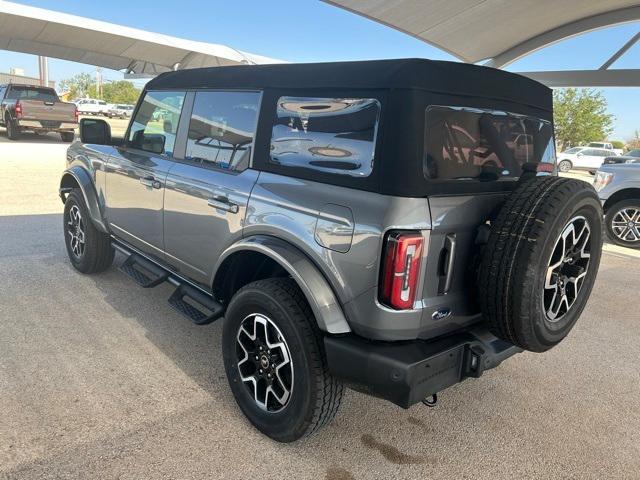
76, 114
401, 262
18, 110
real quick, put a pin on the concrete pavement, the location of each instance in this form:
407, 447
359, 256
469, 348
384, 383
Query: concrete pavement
100, 379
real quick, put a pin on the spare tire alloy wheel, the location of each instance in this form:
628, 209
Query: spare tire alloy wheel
264, 362
568, 266
540, 262
76, 231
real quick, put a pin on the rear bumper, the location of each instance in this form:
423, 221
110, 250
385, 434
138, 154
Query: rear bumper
47, 125
406, 372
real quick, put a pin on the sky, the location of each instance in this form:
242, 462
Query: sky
309, 30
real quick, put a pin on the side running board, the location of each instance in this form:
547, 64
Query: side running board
187, 300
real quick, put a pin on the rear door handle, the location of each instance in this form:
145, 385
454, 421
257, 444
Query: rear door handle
150, 182
222, 202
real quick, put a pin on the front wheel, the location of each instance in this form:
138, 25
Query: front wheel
89, 249
623, 223
275, 361
564, 166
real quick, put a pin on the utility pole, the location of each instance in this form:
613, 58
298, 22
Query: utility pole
43, 68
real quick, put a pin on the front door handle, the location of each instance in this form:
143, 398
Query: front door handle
222, 202
150, 182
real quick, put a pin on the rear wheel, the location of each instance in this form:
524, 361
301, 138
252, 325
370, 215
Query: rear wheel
67, 136
623, 223
541, 261
275, 361
564, 166
13, 132
89, 249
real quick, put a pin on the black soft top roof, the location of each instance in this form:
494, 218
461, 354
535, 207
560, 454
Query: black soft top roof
454, 78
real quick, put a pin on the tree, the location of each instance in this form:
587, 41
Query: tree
634, 142
617, 144
120, 92
580, 116
78, 86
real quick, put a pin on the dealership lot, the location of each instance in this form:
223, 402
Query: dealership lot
101, 379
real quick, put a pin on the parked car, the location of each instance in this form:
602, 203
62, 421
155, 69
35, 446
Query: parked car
91, 106
583, 158
29, 108
121, 111
632, 156
618, 186
329, 214
606, 146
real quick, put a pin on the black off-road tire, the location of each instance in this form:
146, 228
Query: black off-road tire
98, 253
612, 212
13, 132
67, 136
315, 394
519, 252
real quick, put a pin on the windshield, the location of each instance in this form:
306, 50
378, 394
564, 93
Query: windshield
32, 93
634, 153
484, 145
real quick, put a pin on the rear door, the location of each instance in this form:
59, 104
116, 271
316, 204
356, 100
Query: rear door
137, 171
208, 190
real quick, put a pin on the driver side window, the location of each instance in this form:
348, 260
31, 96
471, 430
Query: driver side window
155, 125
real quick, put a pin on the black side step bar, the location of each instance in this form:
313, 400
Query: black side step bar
187, 300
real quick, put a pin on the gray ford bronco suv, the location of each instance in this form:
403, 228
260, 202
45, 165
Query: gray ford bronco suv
392, 226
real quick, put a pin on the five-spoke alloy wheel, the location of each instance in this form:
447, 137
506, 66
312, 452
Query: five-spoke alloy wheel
75, 230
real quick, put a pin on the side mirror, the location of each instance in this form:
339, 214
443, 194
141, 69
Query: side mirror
95, 131
149, 142
579, 154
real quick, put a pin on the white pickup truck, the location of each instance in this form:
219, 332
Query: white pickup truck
606, 146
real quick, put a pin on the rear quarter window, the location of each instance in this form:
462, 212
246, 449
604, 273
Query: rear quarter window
329, 135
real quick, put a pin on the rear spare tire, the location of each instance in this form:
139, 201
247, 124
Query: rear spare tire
541, 261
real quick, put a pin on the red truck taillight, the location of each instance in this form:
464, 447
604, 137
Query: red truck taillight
76, 114
18, 109
401, 262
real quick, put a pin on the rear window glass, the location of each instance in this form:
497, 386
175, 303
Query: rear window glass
32, 93
483, 145
330, 135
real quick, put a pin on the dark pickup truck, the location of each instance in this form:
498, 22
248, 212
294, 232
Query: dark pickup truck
36, 109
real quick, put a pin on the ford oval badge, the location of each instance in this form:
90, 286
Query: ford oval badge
441, 313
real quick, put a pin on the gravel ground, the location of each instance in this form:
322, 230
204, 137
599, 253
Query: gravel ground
100, 379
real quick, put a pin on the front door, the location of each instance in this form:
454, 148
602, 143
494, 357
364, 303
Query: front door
137, 172
207, 192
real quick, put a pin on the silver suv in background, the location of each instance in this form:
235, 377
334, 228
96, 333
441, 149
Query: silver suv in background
618, 186
391, 226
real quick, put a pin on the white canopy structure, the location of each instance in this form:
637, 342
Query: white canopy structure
500, 32
44, 32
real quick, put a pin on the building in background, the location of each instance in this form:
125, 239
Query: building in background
16, 75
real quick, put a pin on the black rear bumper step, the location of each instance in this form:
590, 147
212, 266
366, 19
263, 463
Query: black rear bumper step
406, 372
179, 301
144, 272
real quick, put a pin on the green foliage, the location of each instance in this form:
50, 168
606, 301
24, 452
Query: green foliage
120, 92
84, 85
580, 116
79, 85
617, 144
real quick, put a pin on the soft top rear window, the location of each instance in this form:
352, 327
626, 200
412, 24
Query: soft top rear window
483, 145
32, 93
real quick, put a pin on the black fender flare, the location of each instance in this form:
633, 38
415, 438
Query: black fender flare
83, 179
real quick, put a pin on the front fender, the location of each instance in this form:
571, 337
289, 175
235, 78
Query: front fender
314, 286
82, 178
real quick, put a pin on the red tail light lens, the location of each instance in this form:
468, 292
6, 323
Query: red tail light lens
18, 110
401, 269
76, 114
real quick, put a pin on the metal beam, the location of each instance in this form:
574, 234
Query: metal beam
616, 17
620, 52
587, 78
